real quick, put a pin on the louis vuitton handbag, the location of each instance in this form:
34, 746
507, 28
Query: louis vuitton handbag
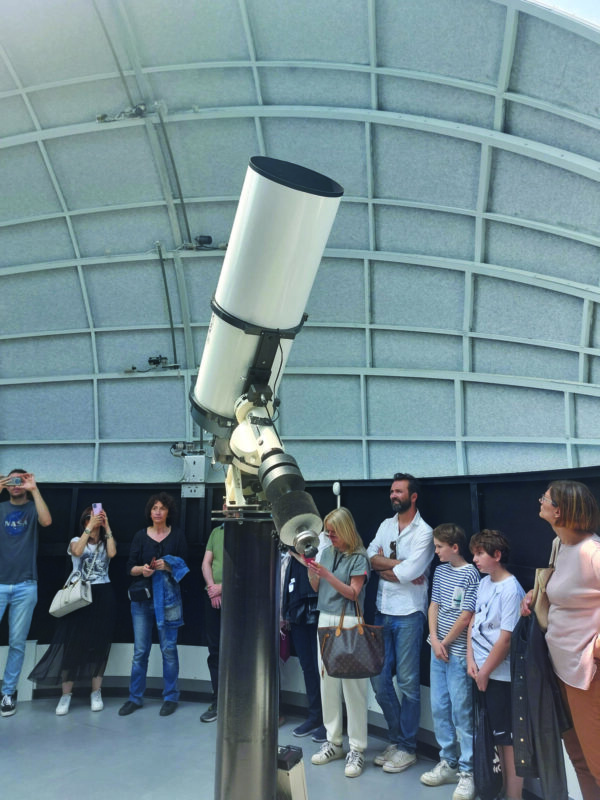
356, 652
540, 605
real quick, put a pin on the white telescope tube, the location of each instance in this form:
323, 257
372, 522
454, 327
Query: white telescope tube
281, 227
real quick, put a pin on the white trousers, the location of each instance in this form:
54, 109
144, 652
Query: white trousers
353, 691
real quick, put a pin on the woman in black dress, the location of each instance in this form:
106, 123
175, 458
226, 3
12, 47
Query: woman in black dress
81, 643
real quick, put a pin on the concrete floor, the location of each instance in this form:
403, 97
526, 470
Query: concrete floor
147, 757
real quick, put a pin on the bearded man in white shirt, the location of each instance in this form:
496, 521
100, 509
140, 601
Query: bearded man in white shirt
401, 554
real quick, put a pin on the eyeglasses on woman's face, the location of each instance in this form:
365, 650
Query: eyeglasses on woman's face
545, 499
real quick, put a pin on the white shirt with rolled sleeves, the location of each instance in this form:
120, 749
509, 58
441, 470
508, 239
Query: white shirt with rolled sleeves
414, 547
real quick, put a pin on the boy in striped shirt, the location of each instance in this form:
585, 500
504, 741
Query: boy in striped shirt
454, 591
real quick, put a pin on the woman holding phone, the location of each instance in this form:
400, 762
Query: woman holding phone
339, 578
81, 643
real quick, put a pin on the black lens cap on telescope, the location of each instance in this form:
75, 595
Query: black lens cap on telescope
296, 177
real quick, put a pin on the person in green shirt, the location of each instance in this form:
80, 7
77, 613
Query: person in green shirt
212, 570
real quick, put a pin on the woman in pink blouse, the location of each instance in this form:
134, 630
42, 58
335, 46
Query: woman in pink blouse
574, 621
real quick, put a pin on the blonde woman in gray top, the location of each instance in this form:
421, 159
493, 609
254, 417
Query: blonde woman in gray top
341, 575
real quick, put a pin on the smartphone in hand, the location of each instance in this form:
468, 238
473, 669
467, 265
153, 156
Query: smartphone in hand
96, 508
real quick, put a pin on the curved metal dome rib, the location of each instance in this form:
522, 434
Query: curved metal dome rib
453, 327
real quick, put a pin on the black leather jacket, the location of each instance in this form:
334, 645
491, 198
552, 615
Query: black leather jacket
538, 711
298, 606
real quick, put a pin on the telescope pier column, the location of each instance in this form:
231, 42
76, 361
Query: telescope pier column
248, 703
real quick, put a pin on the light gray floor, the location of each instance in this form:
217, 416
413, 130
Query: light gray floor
147, 757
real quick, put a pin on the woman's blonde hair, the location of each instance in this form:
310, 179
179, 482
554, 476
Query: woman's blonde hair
342, 522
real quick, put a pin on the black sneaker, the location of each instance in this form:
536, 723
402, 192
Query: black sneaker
168, 707
8, 706
306, 728
320, 735
210, 714
128, 708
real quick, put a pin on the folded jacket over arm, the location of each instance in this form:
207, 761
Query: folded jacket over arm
539, 714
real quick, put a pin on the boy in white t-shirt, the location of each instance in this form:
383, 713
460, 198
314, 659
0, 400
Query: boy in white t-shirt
453, 596
488, 650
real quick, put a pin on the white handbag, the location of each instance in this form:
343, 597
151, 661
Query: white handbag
76, 593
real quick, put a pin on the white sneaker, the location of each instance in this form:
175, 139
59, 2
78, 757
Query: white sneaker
440, 774
389, 751
399, 761
96, 700
354, 764
328, 752
466, 787
63, 705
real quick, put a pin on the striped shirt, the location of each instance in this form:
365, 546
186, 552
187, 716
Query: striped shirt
454, 589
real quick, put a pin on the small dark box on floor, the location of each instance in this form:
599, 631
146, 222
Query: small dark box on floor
291, 781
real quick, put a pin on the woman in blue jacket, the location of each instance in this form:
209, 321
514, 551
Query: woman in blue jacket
157, 560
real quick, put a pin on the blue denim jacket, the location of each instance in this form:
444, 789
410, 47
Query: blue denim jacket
167, 594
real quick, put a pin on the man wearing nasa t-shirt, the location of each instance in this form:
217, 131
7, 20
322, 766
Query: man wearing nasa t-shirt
19, 518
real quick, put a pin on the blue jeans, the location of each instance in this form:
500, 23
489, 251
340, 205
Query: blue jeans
452, 710
21, 599
142, 615
403, 638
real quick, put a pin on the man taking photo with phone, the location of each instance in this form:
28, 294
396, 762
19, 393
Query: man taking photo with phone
19, 518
